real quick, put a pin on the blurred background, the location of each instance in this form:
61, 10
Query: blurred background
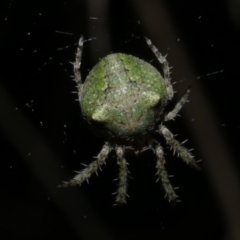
43, 139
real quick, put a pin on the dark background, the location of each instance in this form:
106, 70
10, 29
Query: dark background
43, 140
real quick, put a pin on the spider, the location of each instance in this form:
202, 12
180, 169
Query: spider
124, 99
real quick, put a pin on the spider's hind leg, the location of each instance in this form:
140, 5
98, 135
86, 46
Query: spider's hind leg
166, 68
77, 65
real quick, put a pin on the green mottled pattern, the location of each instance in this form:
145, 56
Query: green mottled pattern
121, 92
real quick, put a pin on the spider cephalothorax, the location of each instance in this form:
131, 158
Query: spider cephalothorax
124, 98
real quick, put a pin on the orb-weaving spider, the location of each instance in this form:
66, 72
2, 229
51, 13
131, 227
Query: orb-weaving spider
124, 99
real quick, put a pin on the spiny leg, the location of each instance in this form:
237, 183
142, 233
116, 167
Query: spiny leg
123, 174
166, 69
171, 115
177, 147
163, 175
90, 169
77, 65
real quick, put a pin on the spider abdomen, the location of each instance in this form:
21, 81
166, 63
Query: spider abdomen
125, 94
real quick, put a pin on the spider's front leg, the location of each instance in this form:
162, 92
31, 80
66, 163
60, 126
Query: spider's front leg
183, 152
123, 174
86, 173
163, 175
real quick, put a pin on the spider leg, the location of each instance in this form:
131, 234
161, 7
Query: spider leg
177, 147
163, 175
171, 115
123, 174
77, 65
86, 173
166, 68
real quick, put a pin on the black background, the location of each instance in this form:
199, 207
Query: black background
43, 139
